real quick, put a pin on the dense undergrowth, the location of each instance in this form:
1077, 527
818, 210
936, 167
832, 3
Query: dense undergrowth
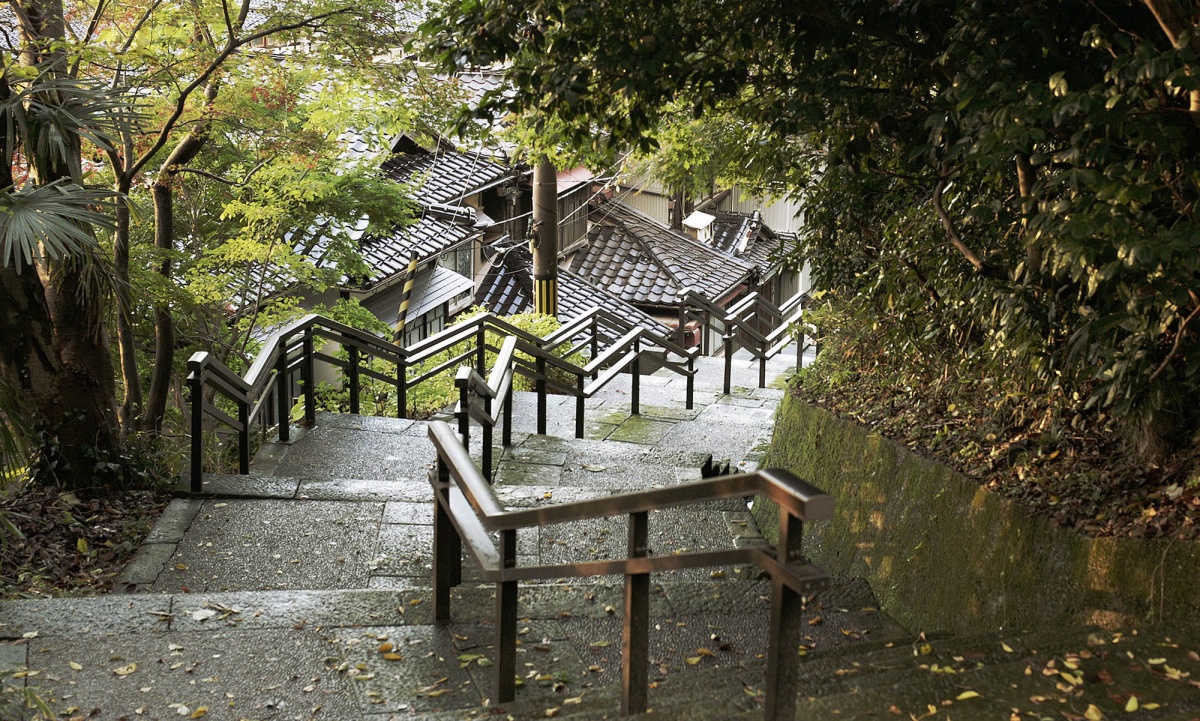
1033, 443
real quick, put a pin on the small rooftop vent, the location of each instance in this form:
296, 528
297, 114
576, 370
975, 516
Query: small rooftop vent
700, 226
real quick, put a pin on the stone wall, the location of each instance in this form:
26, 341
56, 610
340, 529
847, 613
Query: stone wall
944, 554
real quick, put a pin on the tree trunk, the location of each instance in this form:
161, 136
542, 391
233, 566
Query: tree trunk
164, 324
131, 403
55, 366
1033, 251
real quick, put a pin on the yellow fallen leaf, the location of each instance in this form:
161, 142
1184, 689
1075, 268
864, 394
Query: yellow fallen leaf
385, 647
392, 657
552, 712
435, 693
125, 670
705, 652
199, 712
1131, 705
966, 695
74, 666
573, 700
693, 660
1156, 661
1093, 713
81, 545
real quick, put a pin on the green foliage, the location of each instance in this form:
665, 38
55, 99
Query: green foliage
1018, 184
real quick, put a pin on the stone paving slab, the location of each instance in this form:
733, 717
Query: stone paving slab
238, 544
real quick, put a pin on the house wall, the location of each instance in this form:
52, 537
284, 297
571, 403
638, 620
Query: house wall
784, 216
650, 199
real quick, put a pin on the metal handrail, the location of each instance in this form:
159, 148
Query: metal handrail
467, 512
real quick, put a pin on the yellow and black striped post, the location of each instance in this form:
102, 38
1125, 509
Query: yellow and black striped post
545, 240
410, 277
545, 295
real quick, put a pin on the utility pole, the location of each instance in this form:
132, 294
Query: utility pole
545, 238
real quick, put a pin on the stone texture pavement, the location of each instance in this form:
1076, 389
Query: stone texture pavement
301, 590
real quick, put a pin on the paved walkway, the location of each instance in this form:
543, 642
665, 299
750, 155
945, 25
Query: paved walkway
301, 591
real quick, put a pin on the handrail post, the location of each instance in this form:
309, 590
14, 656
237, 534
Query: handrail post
308, 375
402, 388
682, 320
244, 438
504, 681
540, 386
762, 364
283, 394
487, 440
595, 344
787, 609
800, 345
353, 380
635, 635
728, 362
691, 381
481, 350
635, 388
446, 544
579, 406
508, 414
705, 342
196, 385
464, 411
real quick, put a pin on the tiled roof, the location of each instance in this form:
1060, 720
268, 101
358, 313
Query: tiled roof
747, 237
430, 289
507, 289
643, 262
445, 176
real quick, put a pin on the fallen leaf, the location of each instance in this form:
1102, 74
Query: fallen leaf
385, 647
74, 666
392, 657
815, 620
125, 670
705, 652
203, 614
966, 695
552, 712
693, 660
1093, 713
81, 545
199, 712
593, 469
1131, 705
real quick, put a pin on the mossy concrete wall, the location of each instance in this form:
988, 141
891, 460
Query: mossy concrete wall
944, 554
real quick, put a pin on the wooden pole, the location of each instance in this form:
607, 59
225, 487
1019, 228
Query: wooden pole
410, 277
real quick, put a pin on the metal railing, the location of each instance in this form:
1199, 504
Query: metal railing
466, 513
742, 324
263, 397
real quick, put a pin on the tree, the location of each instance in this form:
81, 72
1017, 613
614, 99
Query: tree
1011, 182
56, 379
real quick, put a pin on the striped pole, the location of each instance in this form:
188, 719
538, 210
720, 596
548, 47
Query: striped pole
410, 276
545, 241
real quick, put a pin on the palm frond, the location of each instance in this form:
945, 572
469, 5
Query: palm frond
51, 221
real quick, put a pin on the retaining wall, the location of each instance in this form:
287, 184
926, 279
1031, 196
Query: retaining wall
944, 554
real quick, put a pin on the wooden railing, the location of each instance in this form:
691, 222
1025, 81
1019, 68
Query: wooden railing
741, 326
467, 512
262, 398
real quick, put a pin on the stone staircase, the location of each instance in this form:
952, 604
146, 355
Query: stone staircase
302, 591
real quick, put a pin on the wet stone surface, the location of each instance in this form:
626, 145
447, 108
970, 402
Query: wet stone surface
243, 545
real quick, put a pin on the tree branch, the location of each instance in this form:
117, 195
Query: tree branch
981, 267
213, 176
1178, 339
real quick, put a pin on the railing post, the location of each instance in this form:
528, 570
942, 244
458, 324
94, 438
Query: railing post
481, 351
787, 609
728, 362
706, 342
283, 394
635, 634
308, 376
504, 681
635, 388
446, 546
487, 441
762, 364
540, 386
579, 406
595, 345
196, 386
800, 345
508, 408
244, 438
691, 381
402, 388
682, 320
464, 416
352, 379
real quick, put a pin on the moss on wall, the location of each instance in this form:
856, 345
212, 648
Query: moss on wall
944, 554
